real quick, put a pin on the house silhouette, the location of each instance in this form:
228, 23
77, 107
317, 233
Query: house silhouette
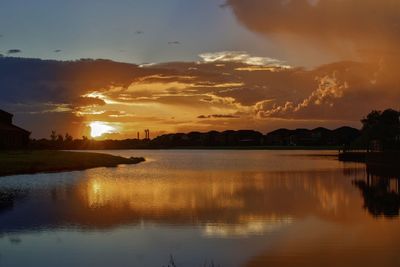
11, 136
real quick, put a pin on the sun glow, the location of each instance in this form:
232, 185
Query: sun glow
98, 128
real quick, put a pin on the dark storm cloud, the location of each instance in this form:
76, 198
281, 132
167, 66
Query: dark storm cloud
34, 80
49, 91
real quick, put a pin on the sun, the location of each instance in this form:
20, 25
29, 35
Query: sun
98, 128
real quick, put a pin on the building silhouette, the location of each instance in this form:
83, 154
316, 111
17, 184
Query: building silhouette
11, 136
147, 134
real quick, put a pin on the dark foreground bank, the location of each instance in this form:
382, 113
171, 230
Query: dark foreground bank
29, 162
389, 158
385, 163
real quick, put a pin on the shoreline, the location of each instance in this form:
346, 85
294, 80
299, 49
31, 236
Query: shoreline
54, 161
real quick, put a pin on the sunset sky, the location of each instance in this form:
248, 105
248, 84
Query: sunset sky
196, 65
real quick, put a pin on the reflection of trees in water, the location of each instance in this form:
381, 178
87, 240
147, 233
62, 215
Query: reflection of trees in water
354, 170
381, 194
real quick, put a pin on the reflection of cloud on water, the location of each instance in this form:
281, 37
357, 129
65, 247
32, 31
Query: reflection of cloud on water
195, 192
225, 203
249, 227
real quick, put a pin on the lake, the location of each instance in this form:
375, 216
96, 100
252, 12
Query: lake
233, 208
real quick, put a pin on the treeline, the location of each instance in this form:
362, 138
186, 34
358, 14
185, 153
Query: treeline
247, 138
243, 138
66, 142
380, 131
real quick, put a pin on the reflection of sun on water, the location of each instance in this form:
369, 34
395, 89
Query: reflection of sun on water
98, 128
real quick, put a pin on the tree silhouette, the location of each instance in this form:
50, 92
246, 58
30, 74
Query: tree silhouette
68, 138
53, 136
383, 126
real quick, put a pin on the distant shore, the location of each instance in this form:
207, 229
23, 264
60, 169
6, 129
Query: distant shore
333, 148
319, 138
44, 161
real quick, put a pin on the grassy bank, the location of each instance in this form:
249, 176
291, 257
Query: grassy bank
28, 162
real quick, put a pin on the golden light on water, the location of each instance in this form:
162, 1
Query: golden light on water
98, 128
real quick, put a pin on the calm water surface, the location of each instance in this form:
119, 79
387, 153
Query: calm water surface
237, 208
